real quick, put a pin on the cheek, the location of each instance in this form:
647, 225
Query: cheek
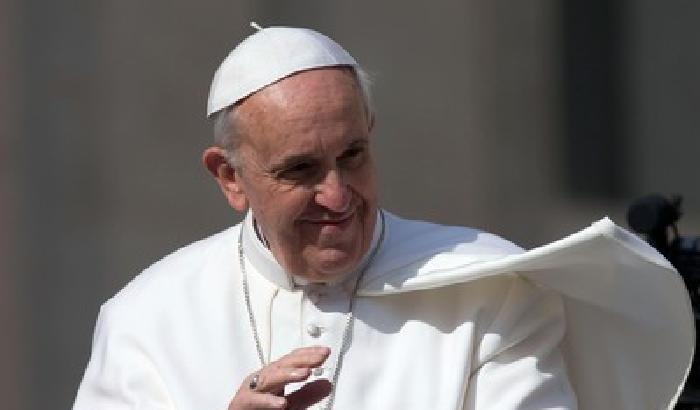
283, 208
364, 183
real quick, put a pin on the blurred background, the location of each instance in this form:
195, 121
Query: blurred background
528, 119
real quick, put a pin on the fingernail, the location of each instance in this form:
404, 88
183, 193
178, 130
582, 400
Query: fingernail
296, 373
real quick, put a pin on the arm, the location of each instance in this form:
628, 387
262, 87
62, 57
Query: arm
119, 374
518, 363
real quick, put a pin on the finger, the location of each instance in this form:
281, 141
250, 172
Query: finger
309, 394
273, 378
246, 398
293, 367
254, 400
309, 357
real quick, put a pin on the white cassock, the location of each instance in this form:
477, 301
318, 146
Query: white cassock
445, 318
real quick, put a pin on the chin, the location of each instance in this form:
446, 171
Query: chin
336, 262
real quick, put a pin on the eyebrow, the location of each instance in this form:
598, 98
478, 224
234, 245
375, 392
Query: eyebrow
357, 143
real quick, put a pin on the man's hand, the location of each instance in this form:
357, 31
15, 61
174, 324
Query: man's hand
271, 380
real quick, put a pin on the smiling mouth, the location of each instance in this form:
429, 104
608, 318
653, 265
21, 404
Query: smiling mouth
336, 221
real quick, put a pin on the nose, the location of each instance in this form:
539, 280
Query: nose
333, 193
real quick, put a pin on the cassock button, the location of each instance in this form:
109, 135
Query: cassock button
314, 330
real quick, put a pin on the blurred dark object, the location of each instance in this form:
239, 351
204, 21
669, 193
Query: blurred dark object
655, 217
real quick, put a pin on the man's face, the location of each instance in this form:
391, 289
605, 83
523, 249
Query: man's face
306, 171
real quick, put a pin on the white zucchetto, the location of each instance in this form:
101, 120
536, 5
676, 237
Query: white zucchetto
268, 56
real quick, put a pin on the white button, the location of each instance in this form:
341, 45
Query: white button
318, 371
314, 330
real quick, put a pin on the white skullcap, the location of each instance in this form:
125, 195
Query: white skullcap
268, 56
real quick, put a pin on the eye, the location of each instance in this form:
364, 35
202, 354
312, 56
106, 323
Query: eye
353, 156
296, 171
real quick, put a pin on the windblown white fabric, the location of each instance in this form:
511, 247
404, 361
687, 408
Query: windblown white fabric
268, 56
447, 318
630, 327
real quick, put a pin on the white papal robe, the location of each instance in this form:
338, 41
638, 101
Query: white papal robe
446, 318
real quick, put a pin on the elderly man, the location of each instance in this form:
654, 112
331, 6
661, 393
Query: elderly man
320, 298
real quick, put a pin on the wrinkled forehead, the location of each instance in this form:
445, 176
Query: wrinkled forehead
323, 103
269, 56
311, 94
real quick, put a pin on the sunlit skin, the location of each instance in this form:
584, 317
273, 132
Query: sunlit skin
306, 170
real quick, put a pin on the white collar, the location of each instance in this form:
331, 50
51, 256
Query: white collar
265, 263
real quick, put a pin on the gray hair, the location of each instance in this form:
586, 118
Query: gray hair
227, 127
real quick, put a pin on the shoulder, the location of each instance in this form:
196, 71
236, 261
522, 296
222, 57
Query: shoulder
426, 238
419, 255
184, 275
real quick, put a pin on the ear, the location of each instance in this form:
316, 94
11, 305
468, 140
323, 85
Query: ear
228, 178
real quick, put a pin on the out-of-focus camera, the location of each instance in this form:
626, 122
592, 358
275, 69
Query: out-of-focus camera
654, 216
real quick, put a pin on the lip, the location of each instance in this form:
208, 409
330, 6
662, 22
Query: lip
333, 221
340, 222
